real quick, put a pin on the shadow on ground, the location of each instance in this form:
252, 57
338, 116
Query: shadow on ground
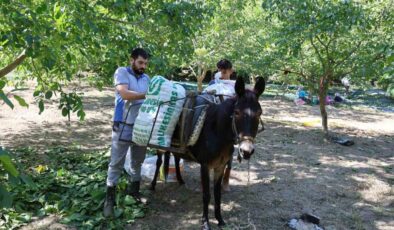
294, 171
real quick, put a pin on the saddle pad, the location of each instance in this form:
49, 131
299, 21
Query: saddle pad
200, 110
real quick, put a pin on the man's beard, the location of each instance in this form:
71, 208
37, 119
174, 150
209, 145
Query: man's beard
137, 71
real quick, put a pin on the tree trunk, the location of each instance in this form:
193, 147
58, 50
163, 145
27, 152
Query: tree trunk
200, 78
322, 101
10, 67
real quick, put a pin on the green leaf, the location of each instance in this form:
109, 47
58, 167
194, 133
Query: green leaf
68, 58
41, 106
390, 59
64, 111
21, 101
118, 212
6, 100
81, 114
7, 163
48, 94
56, 10
5, 198
27, 180
60, 172
138, 213
14, 181
97, 194
42, 8
26, 217
4, 42
75, 217
2, 84
129, 200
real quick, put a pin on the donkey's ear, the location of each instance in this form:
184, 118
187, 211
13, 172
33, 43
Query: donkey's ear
240, 86
259, 87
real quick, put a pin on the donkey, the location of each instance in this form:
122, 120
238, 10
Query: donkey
235, 120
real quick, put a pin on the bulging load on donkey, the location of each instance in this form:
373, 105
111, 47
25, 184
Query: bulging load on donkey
200, 128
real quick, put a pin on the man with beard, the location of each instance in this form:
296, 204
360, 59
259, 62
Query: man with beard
131, 85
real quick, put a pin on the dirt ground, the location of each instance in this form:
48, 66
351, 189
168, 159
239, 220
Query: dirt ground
293, 171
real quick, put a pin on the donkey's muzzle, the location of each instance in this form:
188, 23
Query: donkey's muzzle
246, 149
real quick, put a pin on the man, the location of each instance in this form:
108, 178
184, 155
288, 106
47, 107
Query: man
346, 83
225, 69
131, 85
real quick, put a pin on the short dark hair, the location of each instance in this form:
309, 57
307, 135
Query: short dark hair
224, 64
139, 52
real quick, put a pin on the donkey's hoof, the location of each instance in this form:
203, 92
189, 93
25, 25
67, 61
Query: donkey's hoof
181, 182
221, 224
226, 188
152, 187
205, 226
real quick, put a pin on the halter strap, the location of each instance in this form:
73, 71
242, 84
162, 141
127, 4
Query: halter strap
238, 140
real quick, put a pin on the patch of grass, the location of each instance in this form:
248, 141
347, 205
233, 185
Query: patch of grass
356, 220
68, 183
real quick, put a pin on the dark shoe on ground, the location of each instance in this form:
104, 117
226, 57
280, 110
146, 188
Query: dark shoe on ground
133, 189
109, 202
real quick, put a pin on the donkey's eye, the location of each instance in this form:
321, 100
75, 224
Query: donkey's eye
237, 113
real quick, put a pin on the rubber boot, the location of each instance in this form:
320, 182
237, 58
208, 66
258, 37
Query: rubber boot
109, 202
133, 189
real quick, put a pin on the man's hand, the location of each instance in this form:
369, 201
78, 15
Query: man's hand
127, 94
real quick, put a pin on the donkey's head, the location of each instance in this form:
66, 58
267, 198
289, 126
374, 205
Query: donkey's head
246, 118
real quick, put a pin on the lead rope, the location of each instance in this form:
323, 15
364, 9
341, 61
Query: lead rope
249, 224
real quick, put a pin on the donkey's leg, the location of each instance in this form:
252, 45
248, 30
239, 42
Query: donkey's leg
166, 166
226, 176
218, 176
205, 195
158, 164
178, 171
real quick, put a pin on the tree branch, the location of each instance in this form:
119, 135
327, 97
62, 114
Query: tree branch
329, 41
193, 72
377, 57
325, 46
106, 17
380, 55
123, 22
10, 67
291, 71
340, 75
321, 42
348, 56
317, 51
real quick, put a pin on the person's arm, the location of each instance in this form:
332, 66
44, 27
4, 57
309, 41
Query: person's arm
127, 94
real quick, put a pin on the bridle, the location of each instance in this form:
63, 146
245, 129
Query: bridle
239, 139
